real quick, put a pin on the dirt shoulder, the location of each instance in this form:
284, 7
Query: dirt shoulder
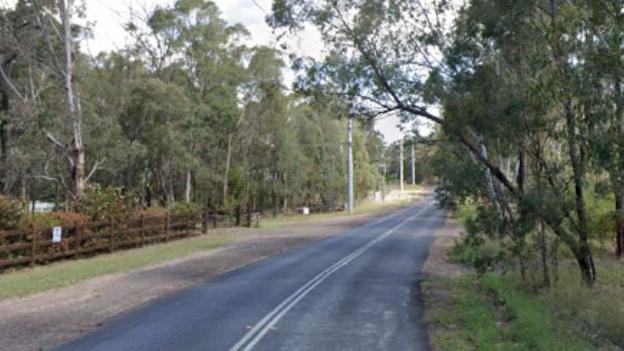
438, 263
43, 320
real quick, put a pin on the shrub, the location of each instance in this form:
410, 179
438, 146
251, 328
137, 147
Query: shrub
39, 221
186, 209
69, 218
11, 212
102, 204
479, 246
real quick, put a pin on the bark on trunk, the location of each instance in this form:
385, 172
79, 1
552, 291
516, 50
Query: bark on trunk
583, 252
618, 179
78, 153
544, 254
4, 142
619, 223
228, 161
187, 188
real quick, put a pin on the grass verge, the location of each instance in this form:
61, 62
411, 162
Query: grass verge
366, 207
29, 281
495, 313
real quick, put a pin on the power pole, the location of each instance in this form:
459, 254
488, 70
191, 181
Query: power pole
350, 165
401, 165
383, 184
413, 166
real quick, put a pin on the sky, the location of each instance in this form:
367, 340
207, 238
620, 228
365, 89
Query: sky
108, 16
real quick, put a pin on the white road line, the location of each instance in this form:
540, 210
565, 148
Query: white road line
254, 335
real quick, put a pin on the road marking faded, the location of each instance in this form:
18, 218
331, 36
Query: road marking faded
253, 336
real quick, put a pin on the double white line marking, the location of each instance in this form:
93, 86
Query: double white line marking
255, 334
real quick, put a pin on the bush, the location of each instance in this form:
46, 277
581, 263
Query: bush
39, 221
186, 209
67, 219
103, 204
11, 212
480, 246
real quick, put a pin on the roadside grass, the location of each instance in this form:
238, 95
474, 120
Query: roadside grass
495, 312
30, 281
364, 207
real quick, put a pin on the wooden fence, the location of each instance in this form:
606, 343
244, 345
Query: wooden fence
34, 246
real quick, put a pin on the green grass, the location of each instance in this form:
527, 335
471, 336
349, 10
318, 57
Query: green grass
42, 278
366, 207
493, 313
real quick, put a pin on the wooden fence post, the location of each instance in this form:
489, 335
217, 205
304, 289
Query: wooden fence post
77, 239
167, 227
238, 215
189, 229
142, 229
248, 215
111, 235
34, 248
205, 221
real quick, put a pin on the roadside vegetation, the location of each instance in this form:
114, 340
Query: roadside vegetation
495, 307
528, 146
186, 112
365, 206
29, 281
24, 282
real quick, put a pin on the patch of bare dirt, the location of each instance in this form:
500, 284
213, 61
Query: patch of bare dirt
438, 262
41, 321
438, 269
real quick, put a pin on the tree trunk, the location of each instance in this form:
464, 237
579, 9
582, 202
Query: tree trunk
228, 161
583, 252
78, 152
187, 188
413, 165
544, 254
618, 179
619, 222
4, 142
401, 165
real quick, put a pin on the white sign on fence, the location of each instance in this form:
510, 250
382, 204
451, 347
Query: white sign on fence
57, 233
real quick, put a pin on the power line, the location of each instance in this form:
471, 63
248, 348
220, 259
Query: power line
260, 7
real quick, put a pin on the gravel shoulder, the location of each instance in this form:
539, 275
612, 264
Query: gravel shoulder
43, 320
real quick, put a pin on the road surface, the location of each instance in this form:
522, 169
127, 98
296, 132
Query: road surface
355, 291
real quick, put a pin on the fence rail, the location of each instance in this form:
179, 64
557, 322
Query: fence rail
19, 248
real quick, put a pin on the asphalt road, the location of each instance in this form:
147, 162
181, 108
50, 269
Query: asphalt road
355, 291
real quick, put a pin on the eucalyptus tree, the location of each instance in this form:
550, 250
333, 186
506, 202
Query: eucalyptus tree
154, 113
603, 74
190, 44
403, 55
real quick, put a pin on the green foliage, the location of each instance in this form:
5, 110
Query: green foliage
184, 209
479, 246
39, 221
459, 177
494, 313
11, 212
106, 203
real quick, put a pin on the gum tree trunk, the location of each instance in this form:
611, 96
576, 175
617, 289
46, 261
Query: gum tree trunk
78, 152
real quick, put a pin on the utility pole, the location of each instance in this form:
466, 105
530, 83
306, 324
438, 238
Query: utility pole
401, 165
350, 165
413, 165
383, 183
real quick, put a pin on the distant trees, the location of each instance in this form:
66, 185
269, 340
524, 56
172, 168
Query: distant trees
530, 90
186, 112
